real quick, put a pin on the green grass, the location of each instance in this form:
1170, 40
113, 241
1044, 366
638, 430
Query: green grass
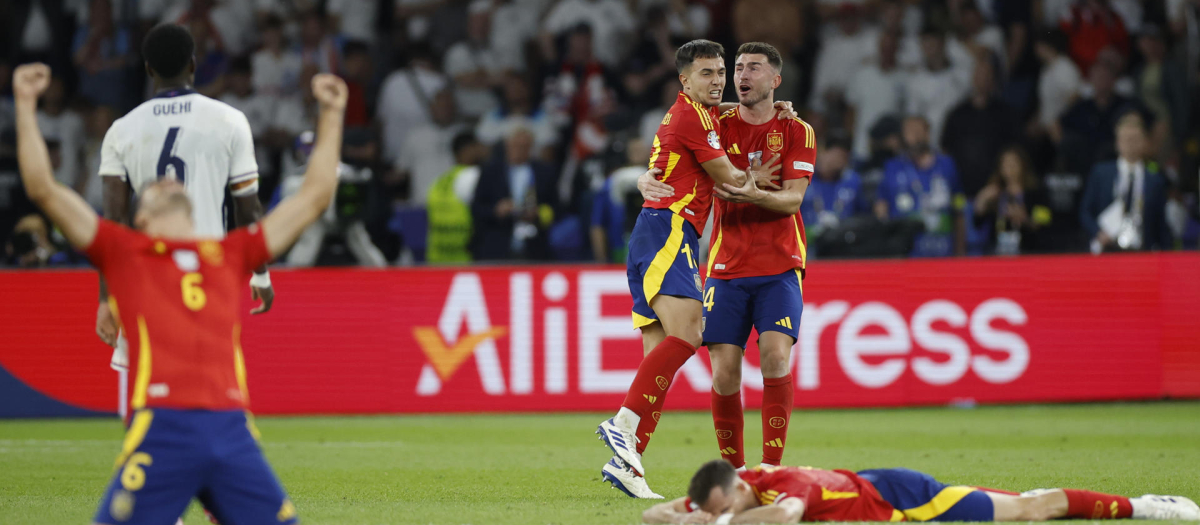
544, 469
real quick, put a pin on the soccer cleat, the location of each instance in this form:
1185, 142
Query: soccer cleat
623, 444
626, 480
1155, 507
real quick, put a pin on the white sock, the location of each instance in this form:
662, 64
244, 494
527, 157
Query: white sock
626, 419
765, 464
740, 469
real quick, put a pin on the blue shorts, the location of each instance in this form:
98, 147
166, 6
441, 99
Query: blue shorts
733, 306
921, 498
662, 260
171, 456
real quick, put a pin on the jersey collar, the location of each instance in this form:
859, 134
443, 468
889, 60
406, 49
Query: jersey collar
171, 93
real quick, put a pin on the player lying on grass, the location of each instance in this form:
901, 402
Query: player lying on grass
190, 435
764, 494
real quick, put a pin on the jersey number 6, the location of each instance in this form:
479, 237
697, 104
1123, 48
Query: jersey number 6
168, 158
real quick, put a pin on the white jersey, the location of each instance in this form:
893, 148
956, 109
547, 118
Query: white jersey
204, 143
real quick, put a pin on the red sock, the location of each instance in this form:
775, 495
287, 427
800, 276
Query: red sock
1088, 505
728, 421
776, 413
649, 389
647, 425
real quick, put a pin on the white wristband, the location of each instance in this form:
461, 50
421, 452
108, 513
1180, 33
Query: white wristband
261, 281
724, 518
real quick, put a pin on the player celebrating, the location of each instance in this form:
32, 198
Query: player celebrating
719, 494
756, 257
178, 289
663, 272
203, 143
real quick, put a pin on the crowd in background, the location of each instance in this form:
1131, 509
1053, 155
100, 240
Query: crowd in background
488, 130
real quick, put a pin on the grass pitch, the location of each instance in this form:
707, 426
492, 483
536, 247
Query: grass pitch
544, 469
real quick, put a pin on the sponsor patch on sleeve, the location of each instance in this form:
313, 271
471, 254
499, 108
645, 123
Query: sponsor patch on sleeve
802, 166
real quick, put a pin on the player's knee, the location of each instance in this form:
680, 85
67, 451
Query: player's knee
774, 365
1036, 508
727, 380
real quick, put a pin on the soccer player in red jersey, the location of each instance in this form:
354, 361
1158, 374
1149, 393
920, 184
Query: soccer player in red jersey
756, 257
189, 435
765, 494
663, 267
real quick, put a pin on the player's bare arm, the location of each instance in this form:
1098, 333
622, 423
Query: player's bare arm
66, 209
115, 208
786, 201
675, 511
790, 510
247, 209
283, 225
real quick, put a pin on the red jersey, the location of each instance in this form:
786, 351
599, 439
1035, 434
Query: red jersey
179, 301
747, 240
688, 136
828, 495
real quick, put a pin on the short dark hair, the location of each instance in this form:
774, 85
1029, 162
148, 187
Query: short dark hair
763, 48
462, 141
168, 49
715, 473
699, 48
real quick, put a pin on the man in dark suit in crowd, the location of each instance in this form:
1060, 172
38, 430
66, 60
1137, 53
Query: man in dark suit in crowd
1124, 205
514, 203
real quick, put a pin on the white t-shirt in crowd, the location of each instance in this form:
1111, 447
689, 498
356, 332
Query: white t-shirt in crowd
1058, 84
874, 93
401, 109
427, 155
610, 20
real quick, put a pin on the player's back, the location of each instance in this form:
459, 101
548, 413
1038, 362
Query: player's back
179, 302
829, 495
748, 240
688, 137
204, 143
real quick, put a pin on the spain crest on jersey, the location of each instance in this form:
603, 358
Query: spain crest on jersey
775, 141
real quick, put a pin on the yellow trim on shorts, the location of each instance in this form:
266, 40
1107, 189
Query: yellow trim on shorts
940, 503
897, 515
135, 435
800, 281
640, 321
652, 281
800, 243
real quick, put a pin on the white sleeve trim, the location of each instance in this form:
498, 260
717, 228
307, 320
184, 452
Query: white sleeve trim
243, 177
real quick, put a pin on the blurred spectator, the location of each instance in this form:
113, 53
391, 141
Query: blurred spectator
937, 86
405, 98
102, 51
923, 185
35, 30
276, 66
608, 205
427, 152
317, 46
514, 26
835, 192
353, 19
358, 72
1013, 204
610, 20
449, 201
1161, 86
780, 24
343, 218
518, 109
65, 126
7, 111
1060, 80
211, 60
652, 118
228, 23
414, 17
651, 63
1091, 27
258, 108
877, 90
99, 119
29, 244
1124, 206
1087, 126
514, 204
978, 128
1185, 24
843, 51
473, 66
977, 37
293, 115
905, 21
